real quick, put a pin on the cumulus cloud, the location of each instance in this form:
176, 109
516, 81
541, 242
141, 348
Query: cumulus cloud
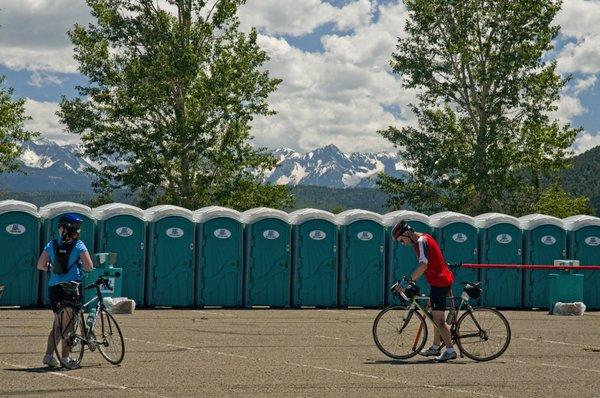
44, 121
586, 141
33, 34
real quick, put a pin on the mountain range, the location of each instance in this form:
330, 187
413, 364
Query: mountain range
48, 166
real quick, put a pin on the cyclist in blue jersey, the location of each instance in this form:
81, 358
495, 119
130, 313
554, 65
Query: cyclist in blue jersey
64, 257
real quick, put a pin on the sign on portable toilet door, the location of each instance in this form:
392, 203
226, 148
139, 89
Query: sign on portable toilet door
365, 235
174, 232
592, 241
504, 238
222, 233
271, 234
317, 235
459, 237
125, 232
15, 229
548, 240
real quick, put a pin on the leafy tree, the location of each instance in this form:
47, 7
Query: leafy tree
484, 129
12, 130
169, 104
554, 201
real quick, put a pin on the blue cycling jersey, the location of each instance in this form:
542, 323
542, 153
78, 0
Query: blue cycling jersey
74, 273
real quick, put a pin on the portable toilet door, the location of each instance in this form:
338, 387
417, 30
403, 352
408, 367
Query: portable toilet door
171, 265
219, 257
121, 229
401, 259
267, 273
314, 262
583, 234
457, 236
50, 215
545, 240
500, 242
362, 259
20, 242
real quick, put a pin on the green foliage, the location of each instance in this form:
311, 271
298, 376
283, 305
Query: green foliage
337, 200
554, 201
583, 179
170, 102
483, 114
12, 131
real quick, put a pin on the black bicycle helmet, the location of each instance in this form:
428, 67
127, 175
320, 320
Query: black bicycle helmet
400, 229
71, 222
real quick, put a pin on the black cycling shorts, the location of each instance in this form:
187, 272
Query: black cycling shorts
64, 294
438, 297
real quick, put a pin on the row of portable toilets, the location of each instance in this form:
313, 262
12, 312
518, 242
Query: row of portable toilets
216, 256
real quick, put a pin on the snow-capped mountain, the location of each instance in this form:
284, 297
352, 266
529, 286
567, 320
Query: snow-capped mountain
51, 167
330, 167
48, 167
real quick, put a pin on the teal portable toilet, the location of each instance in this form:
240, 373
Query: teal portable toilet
500, 242
121, 229
457, 236
170, 265
103, 267
401, 259
268, 268
19, 242
544, 240
50, 215
362, 259
219, 257
315, 258
583, 235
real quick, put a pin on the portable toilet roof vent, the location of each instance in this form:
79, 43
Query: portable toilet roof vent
574, 223
56, 208
260, 213
16, 205
487, 220
162, 211
349, 216
391, 219
440, 220
532, 221
211, 212
117, 209
302, 215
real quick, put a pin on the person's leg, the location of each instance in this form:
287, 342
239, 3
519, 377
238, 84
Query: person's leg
442, 330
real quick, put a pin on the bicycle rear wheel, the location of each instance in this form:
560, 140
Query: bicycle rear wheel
483, 334
109, 338
399, 332
68, 336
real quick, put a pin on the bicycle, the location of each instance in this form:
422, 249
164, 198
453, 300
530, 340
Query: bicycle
99, 331
400, 331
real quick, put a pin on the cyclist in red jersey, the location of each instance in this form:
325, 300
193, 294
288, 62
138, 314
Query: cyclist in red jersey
439, 277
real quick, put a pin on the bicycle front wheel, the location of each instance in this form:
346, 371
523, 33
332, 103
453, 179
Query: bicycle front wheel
399, 332
68, 337
482, 334
109, 338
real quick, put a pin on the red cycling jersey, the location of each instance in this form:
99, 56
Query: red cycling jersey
428, 251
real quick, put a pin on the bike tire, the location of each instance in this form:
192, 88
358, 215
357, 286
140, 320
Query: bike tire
68, 326
470, 340
400, 333
109, 338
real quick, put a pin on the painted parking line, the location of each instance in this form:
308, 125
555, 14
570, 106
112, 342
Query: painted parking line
88, 381
559, 343
322, 369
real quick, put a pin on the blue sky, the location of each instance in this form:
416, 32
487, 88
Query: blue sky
332, 55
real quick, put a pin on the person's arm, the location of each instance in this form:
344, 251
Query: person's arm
419, 271
86, 260
423, 260
43, 261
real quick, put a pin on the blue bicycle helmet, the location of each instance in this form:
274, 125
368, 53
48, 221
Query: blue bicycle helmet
71, 222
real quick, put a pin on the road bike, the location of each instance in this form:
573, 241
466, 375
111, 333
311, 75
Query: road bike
74, 330
481, 333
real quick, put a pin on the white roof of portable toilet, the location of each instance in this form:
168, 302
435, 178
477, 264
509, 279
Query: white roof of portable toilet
349, 216
393, 218
302, 215
105, 212
161, 211
532, 221
208, 213
54, 209
16, 205
489, 219
260, 213
574, 223
440, 220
